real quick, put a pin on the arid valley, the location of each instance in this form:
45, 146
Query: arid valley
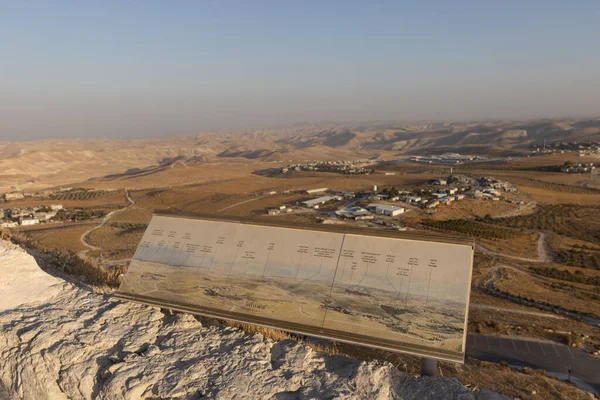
526, 191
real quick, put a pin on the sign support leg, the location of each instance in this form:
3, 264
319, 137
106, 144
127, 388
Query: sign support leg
429, 367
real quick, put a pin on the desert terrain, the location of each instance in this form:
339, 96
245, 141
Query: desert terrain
536, 273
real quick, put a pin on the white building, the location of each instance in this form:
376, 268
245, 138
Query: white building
45, 216
356, 213
493, 192
13, 196
411, 199
8, 224
315, 191
384, 209
28, 221
314, 203
56, 207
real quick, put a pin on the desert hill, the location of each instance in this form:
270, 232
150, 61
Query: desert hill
42, 164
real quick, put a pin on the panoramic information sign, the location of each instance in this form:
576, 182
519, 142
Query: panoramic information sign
398, 291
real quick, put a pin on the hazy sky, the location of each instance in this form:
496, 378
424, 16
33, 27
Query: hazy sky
153, 68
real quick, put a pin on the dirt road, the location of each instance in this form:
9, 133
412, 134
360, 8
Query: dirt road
241, 202
105, 220
522, 210
542, 252
514, 310
490, 285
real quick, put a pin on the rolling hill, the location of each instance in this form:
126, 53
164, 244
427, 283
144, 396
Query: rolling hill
42, 164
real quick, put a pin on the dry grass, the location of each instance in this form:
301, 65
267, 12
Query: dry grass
60, 237
561, 178
576, 222
549, 291
478, 229
69, 262
494, 316
205, 173
133, 214
232, 187
118, 240
112, 199
551, 197
524, 244
574, 252
469, 208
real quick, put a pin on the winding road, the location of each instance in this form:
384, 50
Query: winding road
105, 220
496, 276
552, 357
542, 252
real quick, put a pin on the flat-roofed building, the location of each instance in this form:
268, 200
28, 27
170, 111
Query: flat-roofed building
25, 221
320, 200
8, 224
315, 191
13, 196
411, 199
385, 209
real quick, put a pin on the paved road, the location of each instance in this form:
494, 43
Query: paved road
551, 357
